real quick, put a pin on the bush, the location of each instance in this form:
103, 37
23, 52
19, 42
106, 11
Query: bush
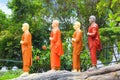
43, 64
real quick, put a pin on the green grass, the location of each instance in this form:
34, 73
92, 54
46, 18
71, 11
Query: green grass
10, 74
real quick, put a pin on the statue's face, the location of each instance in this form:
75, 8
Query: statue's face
23, 28
75, 27
53, 24
90, 20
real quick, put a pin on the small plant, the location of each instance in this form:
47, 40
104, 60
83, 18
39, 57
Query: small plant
85, 60
10, 74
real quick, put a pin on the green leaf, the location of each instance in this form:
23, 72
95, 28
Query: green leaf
118, 18
112, 24
113, 3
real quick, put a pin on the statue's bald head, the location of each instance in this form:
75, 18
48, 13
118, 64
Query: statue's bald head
77, 24
55, 23
25, 26
92, 18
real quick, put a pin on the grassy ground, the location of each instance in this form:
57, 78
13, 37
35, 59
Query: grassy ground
10, 74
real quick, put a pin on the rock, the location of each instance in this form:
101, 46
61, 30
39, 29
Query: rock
105, 73
4, 69
14, 68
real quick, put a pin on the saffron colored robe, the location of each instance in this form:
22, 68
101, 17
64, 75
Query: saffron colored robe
77, 47
26, 51
56, 49
94, 42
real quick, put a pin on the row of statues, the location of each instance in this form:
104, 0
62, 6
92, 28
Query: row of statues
56, 45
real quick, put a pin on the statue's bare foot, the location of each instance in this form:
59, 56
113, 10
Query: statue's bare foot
24, 74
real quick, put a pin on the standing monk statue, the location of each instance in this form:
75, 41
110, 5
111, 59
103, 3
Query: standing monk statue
26, 44
77, 46
56, 46
93, 40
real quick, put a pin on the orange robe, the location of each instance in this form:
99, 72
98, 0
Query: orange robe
77, 47
93, 42
27, 51
56, 49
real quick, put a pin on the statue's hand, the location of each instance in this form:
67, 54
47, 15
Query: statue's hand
21, 42
50, 38
73, 39
88, 34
